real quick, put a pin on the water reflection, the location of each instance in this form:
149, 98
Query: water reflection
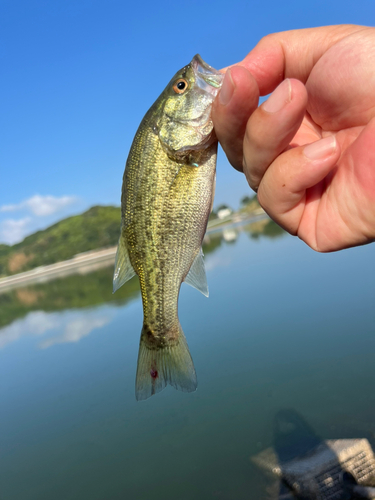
264, 227
310, 468
260, 227
76, 329
94, 289
52, 309
64, 328
283, 327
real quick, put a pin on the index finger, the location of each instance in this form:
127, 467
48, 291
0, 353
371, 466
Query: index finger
292, 54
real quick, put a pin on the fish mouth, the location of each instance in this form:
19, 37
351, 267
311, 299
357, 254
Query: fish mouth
207, 78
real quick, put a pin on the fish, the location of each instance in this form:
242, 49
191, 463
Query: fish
167, 196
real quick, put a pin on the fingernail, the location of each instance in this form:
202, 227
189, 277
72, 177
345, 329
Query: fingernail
279, 97
227, 89
320, 149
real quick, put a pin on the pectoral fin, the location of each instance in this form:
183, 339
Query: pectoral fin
123, 268
196, 277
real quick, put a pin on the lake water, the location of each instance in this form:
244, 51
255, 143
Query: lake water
284, 328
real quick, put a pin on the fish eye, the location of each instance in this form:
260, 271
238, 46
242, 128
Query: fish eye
180, 86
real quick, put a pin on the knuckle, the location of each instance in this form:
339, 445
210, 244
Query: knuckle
267, 40
253, 180
260, 199
253, 138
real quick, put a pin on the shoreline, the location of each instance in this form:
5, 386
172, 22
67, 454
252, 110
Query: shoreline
86, 262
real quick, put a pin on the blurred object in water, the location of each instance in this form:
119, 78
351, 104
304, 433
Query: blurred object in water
312, 469
354, 490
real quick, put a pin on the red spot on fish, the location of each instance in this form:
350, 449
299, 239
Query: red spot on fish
153, 373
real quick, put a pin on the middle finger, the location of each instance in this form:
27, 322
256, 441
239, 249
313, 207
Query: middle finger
271, 128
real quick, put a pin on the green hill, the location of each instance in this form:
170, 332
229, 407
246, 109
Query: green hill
99, 227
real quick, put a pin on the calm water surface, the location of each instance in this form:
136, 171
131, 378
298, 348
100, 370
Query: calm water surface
284, 328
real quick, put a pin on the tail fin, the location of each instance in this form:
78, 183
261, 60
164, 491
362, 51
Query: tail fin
165, 365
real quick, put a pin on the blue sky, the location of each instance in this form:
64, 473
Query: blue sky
78, 76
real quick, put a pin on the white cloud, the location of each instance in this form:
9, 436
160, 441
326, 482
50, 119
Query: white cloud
41, 205
35, 323
13, 231
65, 327
75, 330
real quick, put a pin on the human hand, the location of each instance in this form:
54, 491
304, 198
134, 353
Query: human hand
309, 150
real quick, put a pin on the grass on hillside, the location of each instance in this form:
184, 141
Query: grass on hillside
99, 227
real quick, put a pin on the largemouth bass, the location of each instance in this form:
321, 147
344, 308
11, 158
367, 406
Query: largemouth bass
167, 196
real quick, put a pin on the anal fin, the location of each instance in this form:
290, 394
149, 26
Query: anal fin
196, 276
123, 269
